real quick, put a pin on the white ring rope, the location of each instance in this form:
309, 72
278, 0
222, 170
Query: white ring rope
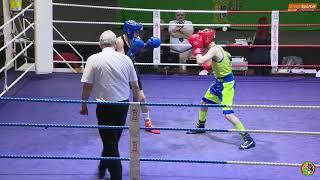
136, 9
64, 60
265, 163
58, 52
145, 24
198, 25
277, 132
164, 44
72, 47
66, 41
18, 79
97, 43
236, 65
173, 11
16, 37
13, 59
76, 42
275, 106
94, 22
140, 64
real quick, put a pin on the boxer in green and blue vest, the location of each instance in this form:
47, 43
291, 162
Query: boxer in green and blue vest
222, 89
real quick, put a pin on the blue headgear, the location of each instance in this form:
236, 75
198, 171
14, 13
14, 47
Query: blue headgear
130, 27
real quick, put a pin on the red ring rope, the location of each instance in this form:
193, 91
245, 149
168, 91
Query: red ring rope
280, 65
270, 11
280, 46
282, 25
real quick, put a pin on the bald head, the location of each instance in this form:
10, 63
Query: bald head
180, 15
107, 39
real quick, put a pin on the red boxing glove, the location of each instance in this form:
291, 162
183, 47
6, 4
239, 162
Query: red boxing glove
197, 44
196, 41
207, 65
197, 51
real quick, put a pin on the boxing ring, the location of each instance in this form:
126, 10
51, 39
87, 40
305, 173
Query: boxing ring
44, 137
51, 141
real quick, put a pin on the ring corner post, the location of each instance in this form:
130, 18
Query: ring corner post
134, 142
274, 53
43, 35
156, 33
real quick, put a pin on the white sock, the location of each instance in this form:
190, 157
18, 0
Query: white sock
145, 116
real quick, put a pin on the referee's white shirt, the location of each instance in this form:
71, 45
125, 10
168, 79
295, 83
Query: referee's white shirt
110, 73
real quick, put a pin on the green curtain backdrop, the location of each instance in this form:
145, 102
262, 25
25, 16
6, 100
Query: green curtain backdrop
285, 18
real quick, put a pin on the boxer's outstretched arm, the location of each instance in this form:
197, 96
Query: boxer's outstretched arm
120, 45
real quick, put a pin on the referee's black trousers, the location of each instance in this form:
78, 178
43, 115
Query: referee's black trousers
111, 115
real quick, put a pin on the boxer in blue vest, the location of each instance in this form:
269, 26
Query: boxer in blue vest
131, 44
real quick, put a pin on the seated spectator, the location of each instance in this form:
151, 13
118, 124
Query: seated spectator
167, 56
179, 34
261, 55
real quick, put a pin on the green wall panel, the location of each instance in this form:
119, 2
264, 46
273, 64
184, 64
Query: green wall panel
285, 18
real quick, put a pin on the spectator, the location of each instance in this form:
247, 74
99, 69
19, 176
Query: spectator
261, 55
179, 34
108, 74
167, 56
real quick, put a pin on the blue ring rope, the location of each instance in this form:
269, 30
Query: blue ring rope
2, 156
62, 126
100, 127
159, 128
10, 156
156, 104
108, 102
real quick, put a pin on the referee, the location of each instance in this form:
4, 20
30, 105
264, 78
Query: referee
107, 76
